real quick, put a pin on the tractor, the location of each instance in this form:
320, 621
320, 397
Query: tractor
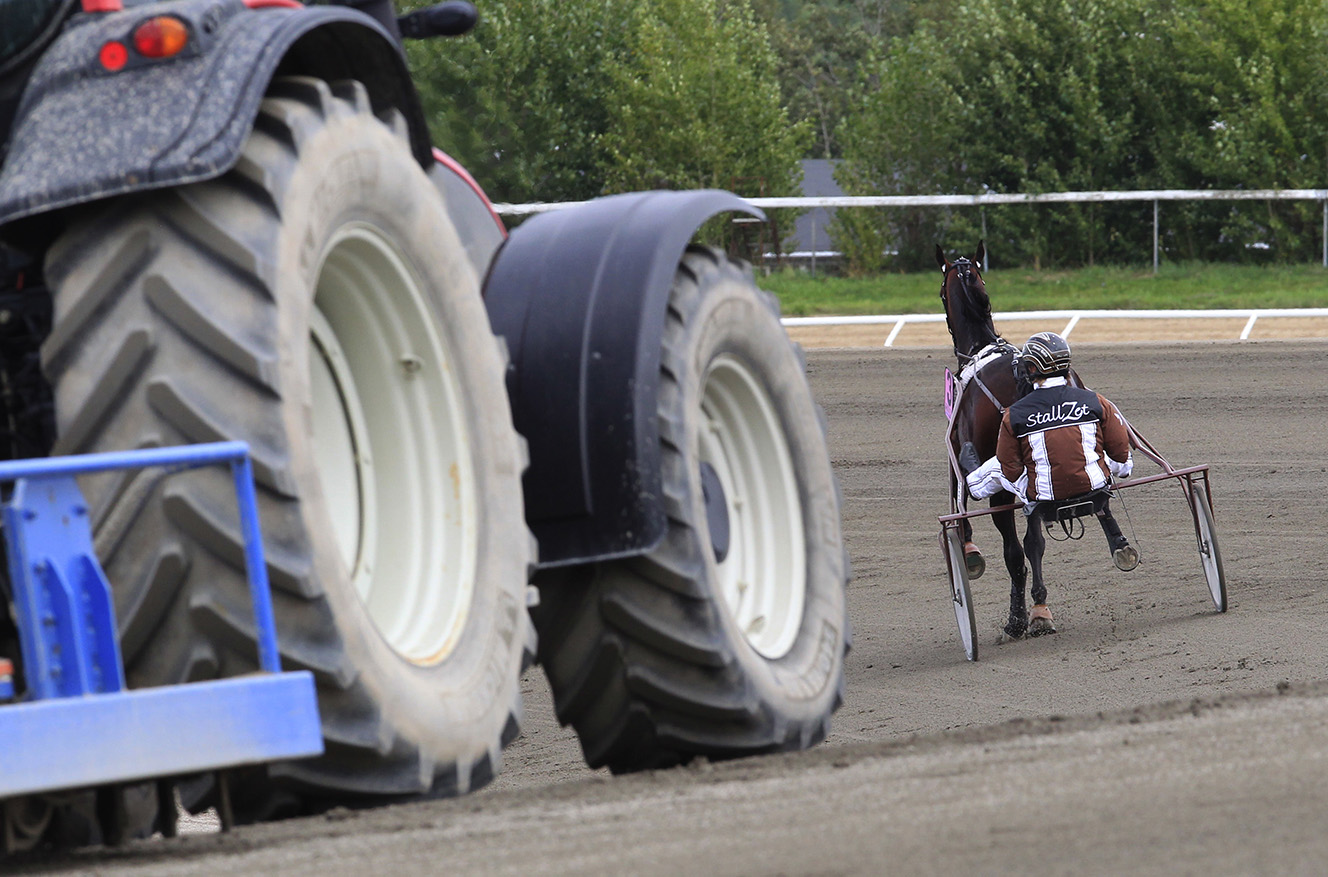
587, 444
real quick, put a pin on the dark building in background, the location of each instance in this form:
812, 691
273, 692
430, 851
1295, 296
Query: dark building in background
812, 230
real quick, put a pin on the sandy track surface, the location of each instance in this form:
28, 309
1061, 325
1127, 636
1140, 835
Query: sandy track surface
1151, 734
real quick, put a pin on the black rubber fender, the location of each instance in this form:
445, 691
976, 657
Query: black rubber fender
580, 296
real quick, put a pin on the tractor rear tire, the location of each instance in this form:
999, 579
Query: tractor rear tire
316, 303
728, 639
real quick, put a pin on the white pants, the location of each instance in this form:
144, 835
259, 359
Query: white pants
988, 479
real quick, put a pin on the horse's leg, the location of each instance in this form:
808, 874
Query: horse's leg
1035, 545
1017, 622
1123, 554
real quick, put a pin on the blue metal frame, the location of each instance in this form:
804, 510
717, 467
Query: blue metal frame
81, 742
80, 726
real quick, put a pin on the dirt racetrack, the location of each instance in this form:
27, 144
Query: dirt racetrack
1151, 735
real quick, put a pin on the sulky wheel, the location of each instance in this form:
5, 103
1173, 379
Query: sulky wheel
728, 638
960, 592
315, 303
1209, 554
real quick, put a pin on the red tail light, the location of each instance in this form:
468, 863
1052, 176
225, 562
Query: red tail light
113, 56
161, 37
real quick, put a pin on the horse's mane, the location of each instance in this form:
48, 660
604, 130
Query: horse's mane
978, 304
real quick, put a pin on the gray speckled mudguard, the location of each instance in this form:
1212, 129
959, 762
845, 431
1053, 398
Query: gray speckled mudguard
82, 133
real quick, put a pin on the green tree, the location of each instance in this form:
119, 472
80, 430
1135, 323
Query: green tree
901, 141
1020, 96
821, 46
566, 101
521, 101
694, 104
1031, 96
1242, 103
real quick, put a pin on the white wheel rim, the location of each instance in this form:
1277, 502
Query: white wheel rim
960, 594
391, 445
1208, 552
763, 578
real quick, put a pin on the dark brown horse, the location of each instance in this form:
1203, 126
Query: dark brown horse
987, 386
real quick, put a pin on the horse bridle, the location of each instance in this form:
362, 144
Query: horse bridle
964, 268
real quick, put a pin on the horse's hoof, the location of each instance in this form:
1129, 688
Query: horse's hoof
1040, 627
1125, 558
1040, 624
973, 559
1016, 626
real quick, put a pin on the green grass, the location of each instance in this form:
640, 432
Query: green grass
1197, 286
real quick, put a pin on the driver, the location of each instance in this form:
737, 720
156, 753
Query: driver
1057, 443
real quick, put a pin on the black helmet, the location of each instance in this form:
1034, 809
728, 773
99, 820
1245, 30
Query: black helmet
1045, 355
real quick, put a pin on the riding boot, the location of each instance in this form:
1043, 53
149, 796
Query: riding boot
968, 459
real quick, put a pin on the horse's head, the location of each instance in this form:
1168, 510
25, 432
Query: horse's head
964, 297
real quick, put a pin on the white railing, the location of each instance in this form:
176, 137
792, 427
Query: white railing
1072, 318
985, 199
991, 198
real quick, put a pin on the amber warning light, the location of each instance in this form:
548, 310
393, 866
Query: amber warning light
161, 37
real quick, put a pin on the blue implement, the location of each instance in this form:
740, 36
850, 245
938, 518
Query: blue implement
77, 742
77, 725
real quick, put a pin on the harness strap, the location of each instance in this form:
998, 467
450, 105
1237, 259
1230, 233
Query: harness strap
974, 364
1000, 409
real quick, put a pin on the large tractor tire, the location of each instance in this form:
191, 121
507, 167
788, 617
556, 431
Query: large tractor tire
315, 303
728, 639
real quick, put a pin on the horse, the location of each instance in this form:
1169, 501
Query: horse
988, 384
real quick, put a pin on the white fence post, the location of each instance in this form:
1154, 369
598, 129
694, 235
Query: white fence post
986, 267
813, 246
1154, 235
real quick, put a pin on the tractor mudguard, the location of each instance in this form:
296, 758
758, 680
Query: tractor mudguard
477, 224
83, 133
580, 295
